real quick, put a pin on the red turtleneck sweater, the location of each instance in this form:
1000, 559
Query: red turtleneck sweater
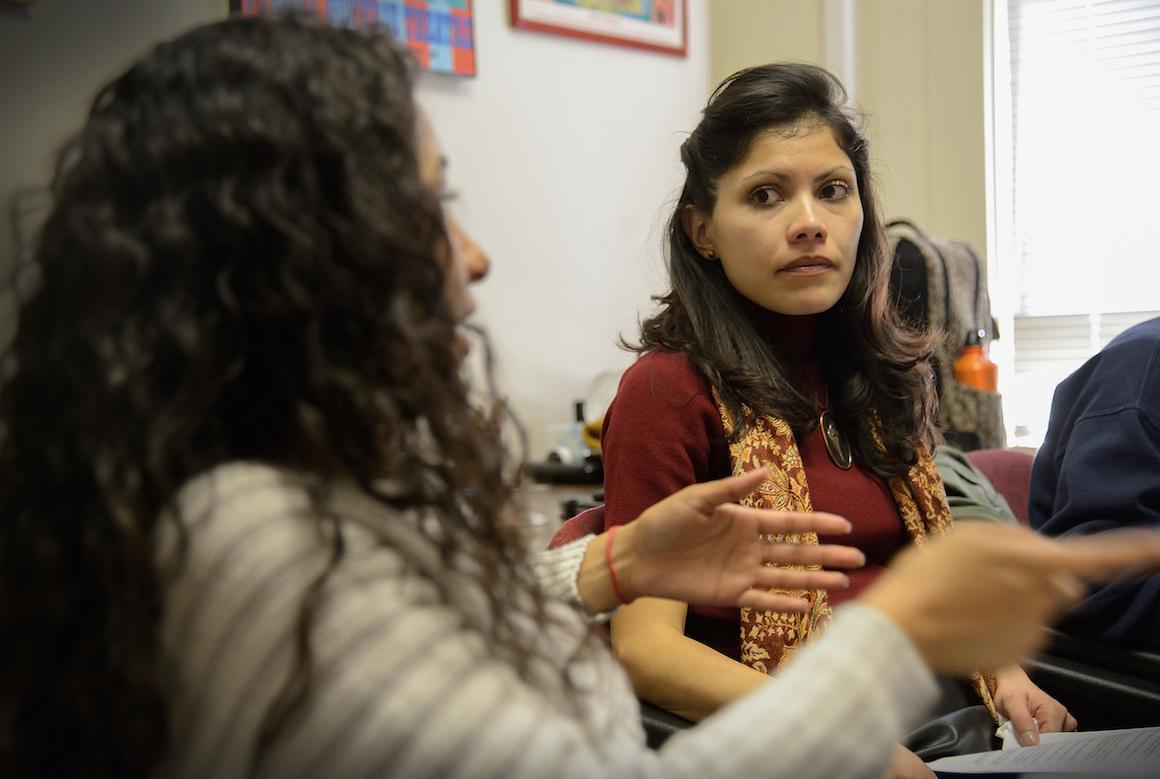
663, 432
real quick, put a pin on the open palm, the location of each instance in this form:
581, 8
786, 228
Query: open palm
700, 547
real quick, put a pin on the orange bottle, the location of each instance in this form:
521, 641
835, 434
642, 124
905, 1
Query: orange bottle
974, 368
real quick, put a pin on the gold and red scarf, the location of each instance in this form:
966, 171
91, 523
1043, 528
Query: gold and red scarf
770, 638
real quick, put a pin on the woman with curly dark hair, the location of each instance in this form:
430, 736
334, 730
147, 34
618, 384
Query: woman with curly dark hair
251, 523
776, 348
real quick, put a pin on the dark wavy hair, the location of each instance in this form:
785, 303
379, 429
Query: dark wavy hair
871, 361
241, 262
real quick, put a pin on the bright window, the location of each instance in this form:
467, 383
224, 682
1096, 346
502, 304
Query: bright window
1077, 179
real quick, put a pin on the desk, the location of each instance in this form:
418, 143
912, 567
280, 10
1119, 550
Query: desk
546, 506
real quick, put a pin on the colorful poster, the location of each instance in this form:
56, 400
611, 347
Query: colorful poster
654, 11
440, 33
657, 25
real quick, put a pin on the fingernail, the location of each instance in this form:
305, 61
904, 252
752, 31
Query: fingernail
1029, 738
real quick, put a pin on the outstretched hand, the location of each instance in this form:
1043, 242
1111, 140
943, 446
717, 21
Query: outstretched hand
700, 547
982, 597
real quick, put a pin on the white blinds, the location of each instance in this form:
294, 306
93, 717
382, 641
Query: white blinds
1085, 87
1047, 349
1085, 173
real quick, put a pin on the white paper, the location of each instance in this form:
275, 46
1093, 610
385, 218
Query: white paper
1134, 752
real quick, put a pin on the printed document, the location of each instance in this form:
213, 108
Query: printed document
1133, 752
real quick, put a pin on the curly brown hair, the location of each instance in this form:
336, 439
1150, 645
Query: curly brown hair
871, 360
241, 262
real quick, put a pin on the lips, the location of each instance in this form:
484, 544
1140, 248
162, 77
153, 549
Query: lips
814, 262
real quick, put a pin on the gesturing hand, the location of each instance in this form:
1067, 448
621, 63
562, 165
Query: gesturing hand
699, 546
981, 597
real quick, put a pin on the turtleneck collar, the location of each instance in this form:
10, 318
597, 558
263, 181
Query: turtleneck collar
793, 338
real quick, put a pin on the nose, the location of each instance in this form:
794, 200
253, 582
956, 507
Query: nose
468, 254
807, 225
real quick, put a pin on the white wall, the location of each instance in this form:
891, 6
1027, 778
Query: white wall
564, 155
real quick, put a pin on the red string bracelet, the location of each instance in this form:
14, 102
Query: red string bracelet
611, 569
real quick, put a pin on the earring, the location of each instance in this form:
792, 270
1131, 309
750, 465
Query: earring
710, 255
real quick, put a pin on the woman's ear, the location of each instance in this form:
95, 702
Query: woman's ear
697, 227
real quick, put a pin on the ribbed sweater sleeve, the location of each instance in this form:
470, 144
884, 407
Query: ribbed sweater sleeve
406, 684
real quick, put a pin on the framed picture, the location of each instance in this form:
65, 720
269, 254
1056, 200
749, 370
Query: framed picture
440, 33
656, 25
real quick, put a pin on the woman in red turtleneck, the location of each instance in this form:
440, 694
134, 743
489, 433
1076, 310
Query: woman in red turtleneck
664, 431
776, 348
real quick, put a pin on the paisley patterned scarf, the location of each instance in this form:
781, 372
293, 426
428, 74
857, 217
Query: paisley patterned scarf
770, 638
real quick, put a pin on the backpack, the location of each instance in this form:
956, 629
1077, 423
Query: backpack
941, 286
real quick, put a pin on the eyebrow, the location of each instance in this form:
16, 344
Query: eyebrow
785, 177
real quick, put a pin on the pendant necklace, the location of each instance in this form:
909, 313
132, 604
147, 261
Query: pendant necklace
836, 445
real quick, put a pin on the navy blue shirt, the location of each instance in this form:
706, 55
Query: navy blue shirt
1099, 468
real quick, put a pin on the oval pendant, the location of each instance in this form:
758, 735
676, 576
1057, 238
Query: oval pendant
836, 445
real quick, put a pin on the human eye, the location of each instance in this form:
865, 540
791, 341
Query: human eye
765, 196
835, 190
447, 196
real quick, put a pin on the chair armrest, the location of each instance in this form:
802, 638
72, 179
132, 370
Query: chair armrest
1136, 663
660, 724
1103, 687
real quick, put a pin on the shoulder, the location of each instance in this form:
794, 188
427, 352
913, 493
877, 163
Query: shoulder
229, 514
255, 549
1132, 348
1140, 347
666, 376
1144, 333
248, 538
662, 391
662, 432
239, 490
1124, 376
242, 517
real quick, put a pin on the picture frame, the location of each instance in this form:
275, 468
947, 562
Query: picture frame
439, 33
653, 25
